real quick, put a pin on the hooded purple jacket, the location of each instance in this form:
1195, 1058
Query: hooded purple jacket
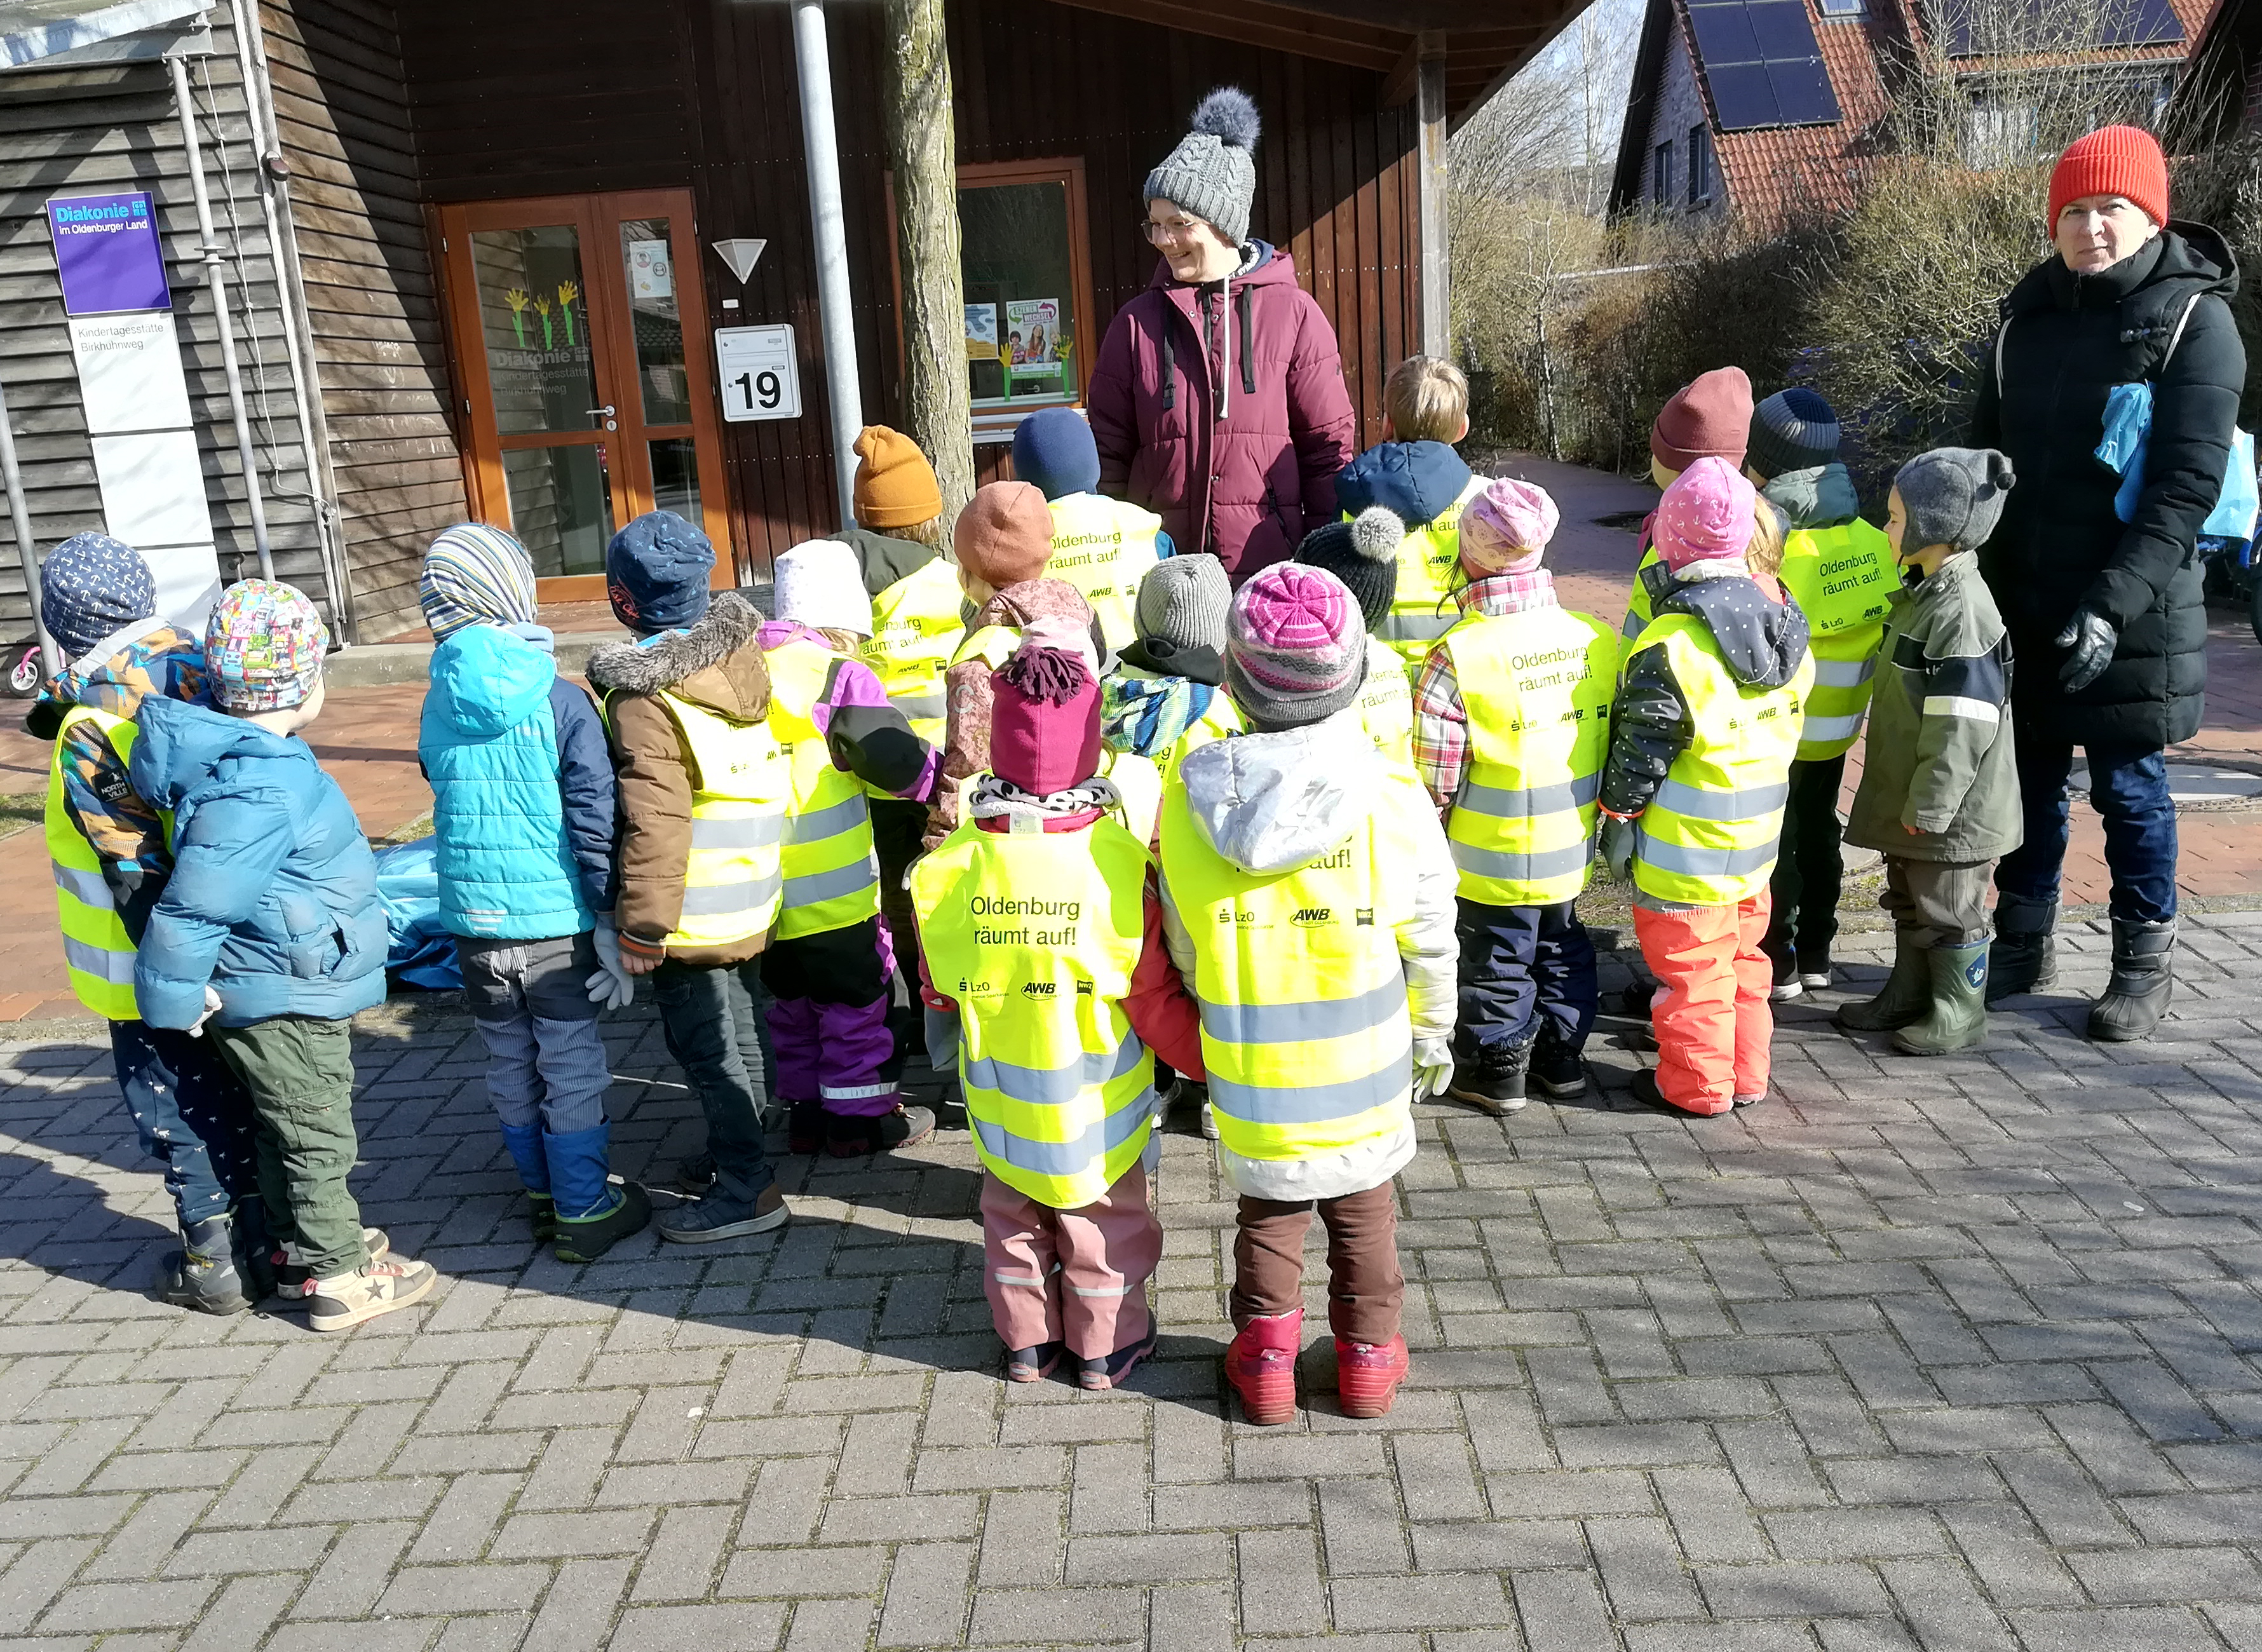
1243, 467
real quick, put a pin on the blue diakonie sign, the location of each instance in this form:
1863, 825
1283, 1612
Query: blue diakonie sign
107, 253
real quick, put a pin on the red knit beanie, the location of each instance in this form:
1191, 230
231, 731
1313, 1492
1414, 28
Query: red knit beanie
1044, 720
1710, 417
2123, 161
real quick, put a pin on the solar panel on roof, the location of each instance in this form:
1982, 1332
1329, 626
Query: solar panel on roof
1761, 64
1979, 28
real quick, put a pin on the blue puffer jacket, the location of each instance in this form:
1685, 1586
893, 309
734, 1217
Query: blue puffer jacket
273, 896
522, 794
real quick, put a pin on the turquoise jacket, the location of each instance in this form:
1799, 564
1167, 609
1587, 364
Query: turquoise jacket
522, 788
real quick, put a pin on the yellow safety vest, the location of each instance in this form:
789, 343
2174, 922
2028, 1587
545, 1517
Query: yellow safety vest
992, 644
1537, 687
96, 949
739, 787
915, 628
1708, 838
1844, 579
1423, 610
1302, 994
832, 879
1103, 547
1386, 705
1036, 936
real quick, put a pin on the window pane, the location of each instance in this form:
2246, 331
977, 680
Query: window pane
534, 318
676, 479
561, 507
1020, 325
661, 377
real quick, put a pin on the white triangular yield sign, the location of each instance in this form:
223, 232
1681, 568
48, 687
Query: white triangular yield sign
740, 255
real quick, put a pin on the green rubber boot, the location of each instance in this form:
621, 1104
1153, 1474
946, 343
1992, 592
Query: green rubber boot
1904, 998
1958, 1016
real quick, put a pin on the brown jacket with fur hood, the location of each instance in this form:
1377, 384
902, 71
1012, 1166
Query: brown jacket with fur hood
716, 664
966, 687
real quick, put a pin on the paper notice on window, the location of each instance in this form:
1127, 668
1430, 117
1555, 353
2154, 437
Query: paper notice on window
651, 276
982, 332
1033, 336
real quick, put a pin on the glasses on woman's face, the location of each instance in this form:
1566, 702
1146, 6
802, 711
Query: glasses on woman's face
1169, 232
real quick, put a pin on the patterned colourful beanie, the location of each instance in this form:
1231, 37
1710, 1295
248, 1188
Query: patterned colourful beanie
263, 646
1295, 647
475, 575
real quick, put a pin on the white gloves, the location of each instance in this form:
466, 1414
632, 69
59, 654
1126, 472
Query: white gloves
211, 1008
1433, 1067
610, 987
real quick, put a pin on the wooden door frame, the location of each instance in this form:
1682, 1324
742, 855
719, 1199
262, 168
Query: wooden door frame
595, 217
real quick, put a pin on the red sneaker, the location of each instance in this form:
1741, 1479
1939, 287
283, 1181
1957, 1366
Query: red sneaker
1261, 1365
1369, 1374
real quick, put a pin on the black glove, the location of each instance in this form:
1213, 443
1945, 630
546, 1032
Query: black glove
875, 744
1166, 658
2092, 638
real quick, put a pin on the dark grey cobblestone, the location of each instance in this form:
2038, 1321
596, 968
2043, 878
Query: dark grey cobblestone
1913, 1356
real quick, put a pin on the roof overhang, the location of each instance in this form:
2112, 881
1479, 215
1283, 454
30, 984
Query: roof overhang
58, 33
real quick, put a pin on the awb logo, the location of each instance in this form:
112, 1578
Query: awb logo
1307, 916
1039, 988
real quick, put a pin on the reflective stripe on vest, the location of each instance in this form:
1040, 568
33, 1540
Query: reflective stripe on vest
832, 879
1708, 836
1844, 579
1386, 705
916, 626
1303, 993
98, 954
1535, 686
739, 784
1428, 557
1036, 936
1103, 547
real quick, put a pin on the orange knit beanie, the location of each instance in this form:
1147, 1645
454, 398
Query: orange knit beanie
895, 485
2121, 161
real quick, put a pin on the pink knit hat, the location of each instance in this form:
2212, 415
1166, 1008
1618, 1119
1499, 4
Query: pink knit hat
1295, 646
1705, 516
1044, 720
1506, 528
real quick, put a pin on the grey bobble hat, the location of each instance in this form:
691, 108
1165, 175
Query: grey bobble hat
1793, 430
1212, 174
1952, 496
1183, 601
1363, 553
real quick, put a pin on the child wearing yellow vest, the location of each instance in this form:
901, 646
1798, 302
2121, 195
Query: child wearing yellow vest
1415, 474
1043, 927
1308, 900
1102, 546
1706, 721
1512, 715
1364, 552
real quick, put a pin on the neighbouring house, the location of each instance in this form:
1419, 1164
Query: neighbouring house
432, 258
2220, 94
1769, 109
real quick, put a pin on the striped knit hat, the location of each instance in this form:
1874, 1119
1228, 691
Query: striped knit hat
475, 575
1295, 647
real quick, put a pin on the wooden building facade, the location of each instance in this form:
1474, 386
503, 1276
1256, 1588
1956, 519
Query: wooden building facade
497, 256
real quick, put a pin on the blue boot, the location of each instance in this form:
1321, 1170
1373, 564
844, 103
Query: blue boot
592, 1214
524, 1142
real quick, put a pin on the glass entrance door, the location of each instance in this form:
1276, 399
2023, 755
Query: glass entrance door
579, 333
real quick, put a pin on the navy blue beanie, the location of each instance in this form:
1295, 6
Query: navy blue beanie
92, 585
1054, 451
656, 572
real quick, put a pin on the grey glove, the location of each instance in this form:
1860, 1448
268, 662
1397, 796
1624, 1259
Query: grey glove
2092, 638
1614, 847
612, 988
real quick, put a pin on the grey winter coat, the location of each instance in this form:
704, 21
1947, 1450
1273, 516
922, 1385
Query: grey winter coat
1941, 756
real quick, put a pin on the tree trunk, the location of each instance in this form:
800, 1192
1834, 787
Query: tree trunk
922, 149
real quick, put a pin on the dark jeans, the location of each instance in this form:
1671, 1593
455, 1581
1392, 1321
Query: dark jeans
1524, 970
299, 1072
2131, 790
703, 1015
1808, 871
192, 1114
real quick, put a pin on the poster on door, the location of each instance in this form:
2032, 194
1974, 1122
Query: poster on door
982, 332
1033, 339
649, 275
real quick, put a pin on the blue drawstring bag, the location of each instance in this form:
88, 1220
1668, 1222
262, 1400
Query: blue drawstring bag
422, 954
2128, 431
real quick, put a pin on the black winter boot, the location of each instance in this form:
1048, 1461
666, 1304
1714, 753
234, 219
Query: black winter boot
2024, 958
1492, 1079
2142, 982
201, 1274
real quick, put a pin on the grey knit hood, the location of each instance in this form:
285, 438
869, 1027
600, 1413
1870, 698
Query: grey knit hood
1270, 803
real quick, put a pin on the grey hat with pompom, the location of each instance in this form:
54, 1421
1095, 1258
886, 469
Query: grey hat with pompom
1363, 553
1952, 496
1212, 174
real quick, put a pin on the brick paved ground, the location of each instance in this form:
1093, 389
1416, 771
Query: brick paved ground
1946, 1355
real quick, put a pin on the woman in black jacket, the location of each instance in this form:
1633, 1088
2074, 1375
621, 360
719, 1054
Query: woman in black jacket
2107, 618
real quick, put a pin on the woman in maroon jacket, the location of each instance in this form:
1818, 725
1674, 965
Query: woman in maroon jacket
1218, 399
